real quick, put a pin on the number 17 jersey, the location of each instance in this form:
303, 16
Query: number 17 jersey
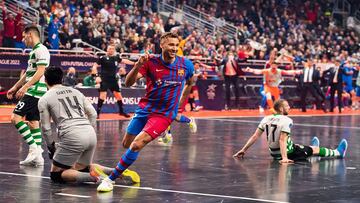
273, 125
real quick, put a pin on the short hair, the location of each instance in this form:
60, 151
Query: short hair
54, 75
33, 29
278, 104
167, 35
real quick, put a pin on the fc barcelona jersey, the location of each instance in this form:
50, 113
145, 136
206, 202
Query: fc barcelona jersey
164, 85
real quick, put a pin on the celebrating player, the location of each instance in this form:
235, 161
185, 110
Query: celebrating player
272, 80
166, 76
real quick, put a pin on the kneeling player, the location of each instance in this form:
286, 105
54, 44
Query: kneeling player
75, 118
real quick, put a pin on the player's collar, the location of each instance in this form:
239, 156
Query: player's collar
168, 64
36, 45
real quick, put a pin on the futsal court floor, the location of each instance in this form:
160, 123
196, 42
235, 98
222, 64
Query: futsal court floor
199, 167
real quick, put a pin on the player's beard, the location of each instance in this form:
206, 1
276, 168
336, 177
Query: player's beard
286, 113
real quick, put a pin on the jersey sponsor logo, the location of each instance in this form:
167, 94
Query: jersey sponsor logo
167, 82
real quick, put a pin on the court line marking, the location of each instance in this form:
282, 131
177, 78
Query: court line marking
72, 195
298, 124
232, 116
155, 189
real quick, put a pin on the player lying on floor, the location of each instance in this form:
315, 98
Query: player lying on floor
277, 128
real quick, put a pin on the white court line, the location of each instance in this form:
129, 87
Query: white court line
154, 189
72, 195
297, 124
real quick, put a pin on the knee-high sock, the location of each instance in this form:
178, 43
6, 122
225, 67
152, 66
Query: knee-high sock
191, 102
184, 119
325, 152
197, 102
125, 161
83, 177
36, 134
120, 104
99, 105
25, 132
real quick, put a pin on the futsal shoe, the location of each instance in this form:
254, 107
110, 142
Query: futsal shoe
343, 145
106, 185
97, 173
39, 161
34, 152
315, 142
131, 175
166, 138
192, 125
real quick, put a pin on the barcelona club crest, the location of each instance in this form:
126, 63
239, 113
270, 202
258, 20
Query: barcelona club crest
181, 72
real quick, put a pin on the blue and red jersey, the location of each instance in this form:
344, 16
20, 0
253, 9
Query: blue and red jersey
164, 85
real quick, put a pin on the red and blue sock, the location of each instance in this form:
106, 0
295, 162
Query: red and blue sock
184, 119
125, 161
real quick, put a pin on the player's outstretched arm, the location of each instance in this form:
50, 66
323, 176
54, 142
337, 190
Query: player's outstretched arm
291, 72
128, 62
134, 74
283, 148
249, 143
254, 71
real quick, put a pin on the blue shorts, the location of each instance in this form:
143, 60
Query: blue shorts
348, 88
151, 123
358, 91
137, 122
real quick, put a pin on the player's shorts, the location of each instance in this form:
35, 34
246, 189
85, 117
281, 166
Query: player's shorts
109, 84
348, 88
274, 91
152, 124
300, 153
75, 146
28, 107
194, 88
358, 91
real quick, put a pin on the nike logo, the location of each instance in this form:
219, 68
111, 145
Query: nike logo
155, 132
158, 70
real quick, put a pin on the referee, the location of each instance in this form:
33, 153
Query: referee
109, 64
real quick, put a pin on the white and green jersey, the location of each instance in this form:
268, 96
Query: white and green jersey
273, 125
38, 56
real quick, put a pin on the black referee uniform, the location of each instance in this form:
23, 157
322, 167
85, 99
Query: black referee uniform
109, 66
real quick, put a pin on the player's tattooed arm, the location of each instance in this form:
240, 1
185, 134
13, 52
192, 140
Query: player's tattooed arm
186, 90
